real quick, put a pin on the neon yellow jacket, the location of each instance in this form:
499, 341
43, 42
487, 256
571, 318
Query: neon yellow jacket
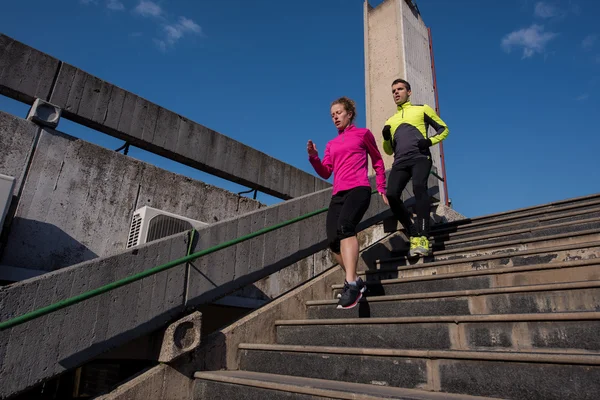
409, 125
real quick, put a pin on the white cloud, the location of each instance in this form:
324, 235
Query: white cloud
588, 42
583, 97
115, 5
188, 25
532, 40
546, 10
148, 9
174, 32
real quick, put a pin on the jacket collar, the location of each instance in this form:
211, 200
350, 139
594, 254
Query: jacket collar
349, 127
404, 105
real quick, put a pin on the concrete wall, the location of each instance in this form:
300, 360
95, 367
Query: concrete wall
17, 138
78, 198
26, 74
396, 46
76, 334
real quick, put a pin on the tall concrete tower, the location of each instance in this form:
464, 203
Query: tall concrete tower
397, 45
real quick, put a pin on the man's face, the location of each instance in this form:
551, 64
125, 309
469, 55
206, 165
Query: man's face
400, 93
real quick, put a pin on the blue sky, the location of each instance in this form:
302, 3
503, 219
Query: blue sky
518, 81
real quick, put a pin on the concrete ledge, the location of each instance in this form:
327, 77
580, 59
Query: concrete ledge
160, 382
27, 74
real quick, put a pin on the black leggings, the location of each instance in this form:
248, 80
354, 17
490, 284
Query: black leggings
399, 176
346, 210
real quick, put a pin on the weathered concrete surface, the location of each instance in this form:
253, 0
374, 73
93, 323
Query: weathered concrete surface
26, 73
208, 279
17, 138
473, 302
574, 331
538, 379
444, 214
69, 176
181, 337
161, 382
62, 340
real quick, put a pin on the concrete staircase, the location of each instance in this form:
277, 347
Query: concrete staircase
508, 307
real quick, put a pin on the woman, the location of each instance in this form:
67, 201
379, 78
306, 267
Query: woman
346, 157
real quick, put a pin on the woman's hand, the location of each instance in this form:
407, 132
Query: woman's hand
385, 199
311, 149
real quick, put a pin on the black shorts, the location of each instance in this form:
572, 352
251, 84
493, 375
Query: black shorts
346, 210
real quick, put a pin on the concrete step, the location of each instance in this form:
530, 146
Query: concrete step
536, 274
393, 268
247, 385
519, 234
516, 229
529, 222
469, 251
562, 297
491, 219
548, 332
509, 375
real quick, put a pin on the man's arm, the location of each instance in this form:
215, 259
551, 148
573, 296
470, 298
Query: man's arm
388, 148
436, 122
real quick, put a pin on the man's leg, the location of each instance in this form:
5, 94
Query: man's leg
397, 181
420, 173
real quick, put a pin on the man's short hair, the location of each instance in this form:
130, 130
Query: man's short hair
406, 84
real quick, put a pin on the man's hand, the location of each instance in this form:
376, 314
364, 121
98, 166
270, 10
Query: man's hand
311, 149
387, 132
385, 199
424, 144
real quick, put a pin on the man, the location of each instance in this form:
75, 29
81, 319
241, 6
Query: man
405, 136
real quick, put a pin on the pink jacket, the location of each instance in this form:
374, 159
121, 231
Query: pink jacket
346, 157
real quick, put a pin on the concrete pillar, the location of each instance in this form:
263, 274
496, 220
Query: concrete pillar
396, 46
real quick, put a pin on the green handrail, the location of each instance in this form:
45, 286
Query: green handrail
40, 312
136, 277
437, 176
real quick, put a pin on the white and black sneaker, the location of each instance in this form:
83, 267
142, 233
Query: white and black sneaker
351, 294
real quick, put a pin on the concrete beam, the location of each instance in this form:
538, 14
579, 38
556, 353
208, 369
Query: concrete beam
65, 339
27, 74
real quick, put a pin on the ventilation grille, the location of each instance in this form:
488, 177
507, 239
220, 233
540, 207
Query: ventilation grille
134, 230
163, 225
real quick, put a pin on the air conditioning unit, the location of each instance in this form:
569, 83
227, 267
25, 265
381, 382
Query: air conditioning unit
150, 224
6, 192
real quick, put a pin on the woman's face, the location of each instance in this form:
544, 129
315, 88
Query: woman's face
341, 118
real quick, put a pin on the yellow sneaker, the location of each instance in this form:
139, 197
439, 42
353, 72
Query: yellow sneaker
420, 248
415, 243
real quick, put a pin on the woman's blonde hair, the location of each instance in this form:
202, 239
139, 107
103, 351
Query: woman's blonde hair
348, 104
